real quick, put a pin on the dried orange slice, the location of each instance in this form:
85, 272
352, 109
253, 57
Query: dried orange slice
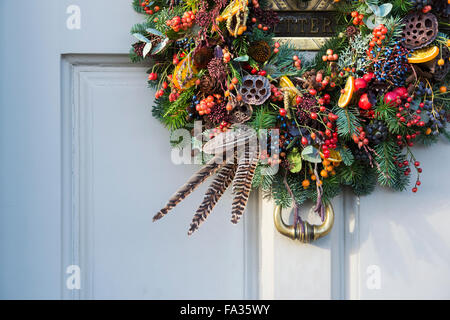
424, 55
346, 97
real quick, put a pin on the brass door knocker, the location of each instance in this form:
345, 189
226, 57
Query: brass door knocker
304, 232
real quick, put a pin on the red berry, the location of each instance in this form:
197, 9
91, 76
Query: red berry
313, 92
414, 189
313, 115
417, 163
283, 112
304, 141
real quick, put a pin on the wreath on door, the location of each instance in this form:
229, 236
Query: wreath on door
347, 118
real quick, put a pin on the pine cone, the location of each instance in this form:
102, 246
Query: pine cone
352, 31
139, 48
208, 85
260, 51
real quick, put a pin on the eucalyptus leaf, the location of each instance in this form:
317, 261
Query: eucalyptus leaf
160, 46
374, 8
381, 11
295, 161
311, 154
154, 31
370, 21
140, 37
384, 10
147, 49
241, 59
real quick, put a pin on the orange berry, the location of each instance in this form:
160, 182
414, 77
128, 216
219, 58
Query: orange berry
305, 183
443, 89
234, 81
441, 62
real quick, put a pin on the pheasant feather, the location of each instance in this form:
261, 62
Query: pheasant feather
213, 194
197, 179
242, 183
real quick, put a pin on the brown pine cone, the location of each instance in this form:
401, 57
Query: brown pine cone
208, 85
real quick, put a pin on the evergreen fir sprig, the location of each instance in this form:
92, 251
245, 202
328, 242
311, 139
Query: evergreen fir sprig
280, 64
401, 7
137, 6
263, 118
348, 121
387, 113
384, 157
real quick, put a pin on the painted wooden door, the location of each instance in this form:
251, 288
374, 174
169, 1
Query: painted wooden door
84, 166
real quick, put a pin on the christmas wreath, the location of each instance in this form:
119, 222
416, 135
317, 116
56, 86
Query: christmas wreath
348, 117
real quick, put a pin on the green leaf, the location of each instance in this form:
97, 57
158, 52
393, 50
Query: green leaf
295, 161
311, 154
140, 37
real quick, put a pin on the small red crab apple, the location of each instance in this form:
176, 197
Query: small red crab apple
364, 102
360, 83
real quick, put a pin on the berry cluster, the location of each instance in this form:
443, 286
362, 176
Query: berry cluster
407, 170
191, 109
378, 35
330, 144
182, 23
184, 43
328, 168
277, 46
277, 95
377, 131
226, 56
205, 105
297, 62
360, 138
330, 56
357, 18
392, 65
436, 119
146, 5
223, 127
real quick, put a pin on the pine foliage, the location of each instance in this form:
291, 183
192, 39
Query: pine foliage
348, 121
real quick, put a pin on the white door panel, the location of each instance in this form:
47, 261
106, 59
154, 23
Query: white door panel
122, 176
406, 235
84, 166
